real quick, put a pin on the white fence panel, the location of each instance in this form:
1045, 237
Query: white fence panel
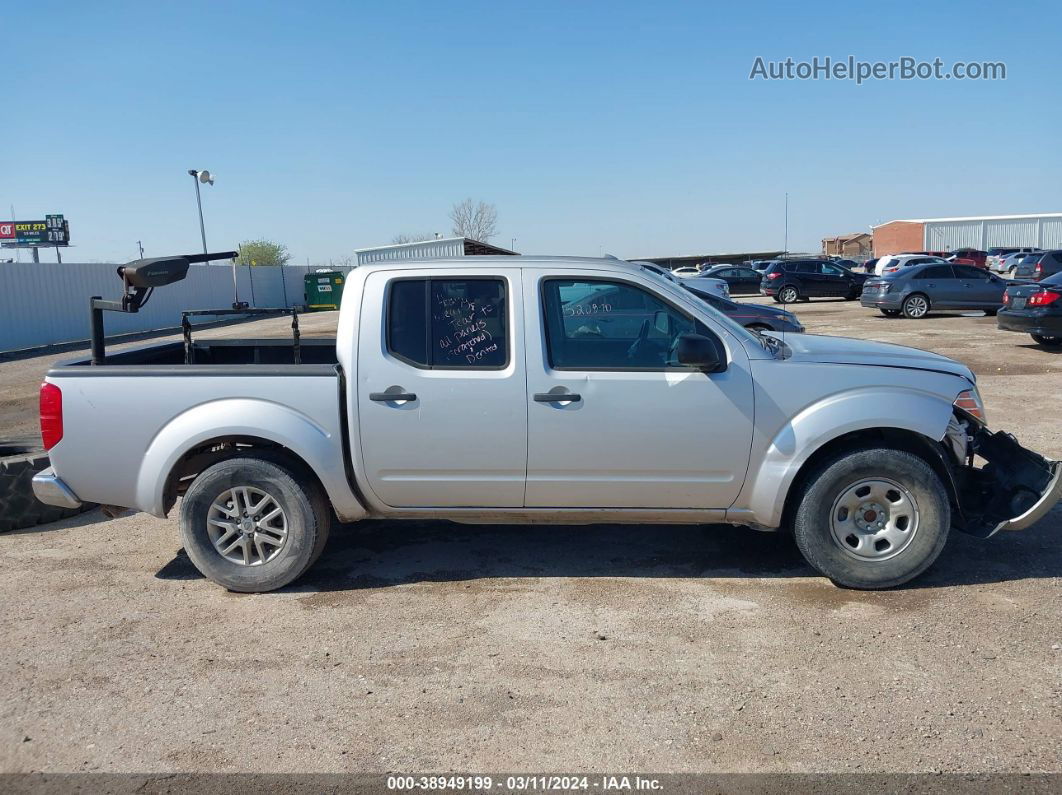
47, 303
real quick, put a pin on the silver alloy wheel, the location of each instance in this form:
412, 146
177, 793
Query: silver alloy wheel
916, 306
874, 519
788, 295
247, 526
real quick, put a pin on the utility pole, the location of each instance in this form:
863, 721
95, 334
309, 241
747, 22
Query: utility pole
786, 244
141, 247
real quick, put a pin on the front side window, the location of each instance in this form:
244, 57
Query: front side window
832, 270
614, 326
448, 323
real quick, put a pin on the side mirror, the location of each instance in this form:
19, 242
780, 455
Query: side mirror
701, 352
662, 322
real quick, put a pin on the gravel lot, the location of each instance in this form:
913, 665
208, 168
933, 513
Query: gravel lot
430, 647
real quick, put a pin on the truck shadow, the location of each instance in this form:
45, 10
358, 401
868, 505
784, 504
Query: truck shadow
381, 554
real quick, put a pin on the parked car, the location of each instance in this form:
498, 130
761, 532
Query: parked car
686, 271
870, 264
466, 390
914, 291
1008, 263
975, 255
800, 279
742, 280
851, 264
755, 317
720, 287
997, 257
1034, 309
901, 261
1039, 265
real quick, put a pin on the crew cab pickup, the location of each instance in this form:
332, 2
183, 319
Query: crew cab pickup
537, 389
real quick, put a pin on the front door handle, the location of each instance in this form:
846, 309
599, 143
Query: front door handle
557, 397
385, 397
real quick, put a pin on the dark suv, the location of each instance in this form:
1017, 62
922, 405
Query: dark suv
799, 279
1039, 265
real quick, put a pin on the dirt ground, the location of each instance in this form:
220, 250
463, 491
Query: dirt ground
428, 647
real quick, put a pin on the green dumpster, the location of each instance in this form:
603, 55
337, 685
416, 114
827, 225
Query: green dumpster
323, 290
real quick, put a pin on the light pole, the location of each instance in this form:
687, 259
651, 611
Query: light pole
205, 177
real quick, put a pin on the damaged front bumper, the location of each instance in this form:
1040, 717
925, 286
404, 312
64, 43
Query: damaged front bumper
1013, 490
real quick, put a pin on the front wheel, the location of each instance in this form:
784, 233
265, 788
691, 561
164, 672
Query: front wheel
249, 525
872, 519
915, 306
1049, 341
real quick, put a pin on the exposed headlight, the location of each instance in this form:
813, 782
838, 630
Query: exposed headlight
969, 400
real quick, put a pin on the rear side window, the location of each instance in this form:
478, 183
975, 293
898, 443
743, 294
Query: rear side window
935, 272
449, 323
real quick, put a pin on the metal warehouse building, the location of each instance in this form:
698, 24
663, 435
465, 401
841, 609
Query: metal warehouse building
981, 232
428, 249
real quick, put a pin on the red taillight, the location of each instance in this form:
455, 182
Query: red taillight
774, 275
1044, 298
1006, 298
51, 415
1039, 269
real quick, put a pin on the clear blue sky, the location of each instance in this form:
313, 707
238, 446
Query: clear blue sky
629, 128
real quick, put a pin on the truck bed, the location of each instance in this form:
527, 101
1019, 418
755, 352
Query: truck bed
313, 351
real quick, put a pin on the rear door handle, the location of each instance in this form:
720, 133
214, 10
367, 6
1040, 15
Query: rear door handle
385, 397
557, 397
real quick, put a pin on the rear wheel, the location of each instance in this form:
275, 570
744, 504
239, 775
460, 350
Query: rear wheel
253, 525
915, 306
788, 294
873, 518
1049, 341
890, 312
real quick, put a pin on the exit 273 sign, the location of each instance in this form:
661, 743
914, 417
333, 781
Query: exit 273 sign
53, 230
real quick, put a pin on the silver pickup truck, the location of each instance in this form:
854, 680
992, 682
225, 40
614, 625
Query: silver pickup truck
537, 389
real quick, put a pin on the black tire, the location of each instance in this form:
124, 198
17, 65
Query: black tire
788, 294
890, 312
1050, 342
837, 559
19, 507
305, 510
991, 312
915, 306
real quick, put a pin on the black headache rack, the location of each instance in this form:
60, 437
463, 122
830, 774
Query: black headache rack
186, 327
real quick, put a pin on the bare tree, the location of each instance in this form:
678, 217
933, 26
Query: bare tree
474, 221
414, 238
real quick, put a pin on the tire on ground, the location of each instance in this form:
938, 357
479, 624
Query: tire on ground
19, 507
308, 513
913, 309
825, 485
1049, 341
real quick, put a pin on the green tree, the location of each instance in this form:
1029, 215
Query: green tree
263, 252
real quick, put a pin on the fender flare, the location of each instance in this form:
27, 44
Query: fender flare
767, 486
320, 448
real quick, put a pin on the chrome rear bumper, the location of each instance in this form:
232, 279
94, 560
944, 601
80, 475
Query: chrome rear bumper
50, 490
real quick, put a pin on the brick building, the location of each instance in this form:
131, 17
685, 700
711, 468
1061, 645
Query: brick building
1043, 230
858, 244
